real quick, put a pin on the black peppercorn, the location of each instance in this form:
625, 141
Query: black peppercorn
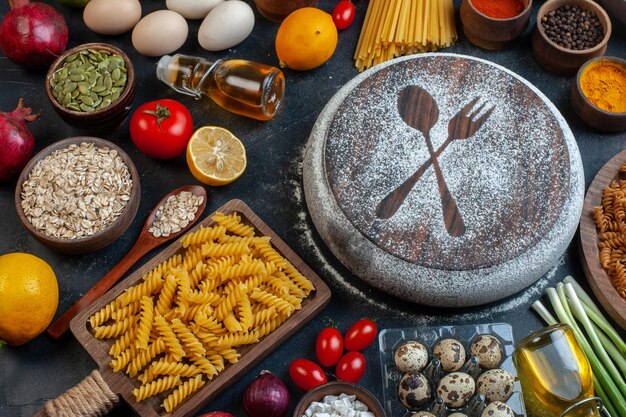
572, 27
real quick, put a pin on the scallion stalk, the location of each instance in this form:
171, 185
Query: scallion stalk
597, 315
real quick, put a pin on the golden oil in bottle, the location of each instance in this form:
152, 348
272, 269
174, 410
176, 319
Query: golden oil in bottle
240, 86
554, 373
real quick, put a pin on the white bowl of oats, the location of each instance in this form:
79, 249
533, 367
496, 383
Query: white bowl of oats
78, 195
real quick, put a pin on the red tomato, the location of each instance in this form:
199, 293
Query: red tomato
306, 374
351, 367
161, 128
329, 346
343, 14
360, 335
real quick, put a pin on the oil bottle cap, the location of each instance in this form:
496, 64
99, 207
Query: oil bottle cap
163, 68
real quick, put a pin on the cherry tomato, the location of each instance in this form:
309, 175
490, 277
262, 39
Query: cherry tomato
329, 346
161, 128
343, 14
351, 367
360, 335
306, 374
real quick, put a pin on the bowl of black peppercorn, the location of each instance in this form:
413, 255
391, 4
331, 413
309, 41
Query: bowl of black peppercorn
568, 33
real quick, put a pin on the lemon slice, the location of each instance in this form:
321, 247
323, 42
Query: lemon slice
215, 156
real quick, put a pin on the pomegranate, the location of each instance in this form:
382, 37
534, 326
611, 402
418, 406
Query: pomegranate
33, 34
16, 141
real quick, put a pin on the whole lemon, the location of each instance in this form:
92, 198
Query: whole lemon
306, 39
29, 296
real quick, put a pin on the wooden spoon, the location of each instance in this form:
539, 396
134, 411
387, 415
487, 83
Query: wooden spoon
144, 244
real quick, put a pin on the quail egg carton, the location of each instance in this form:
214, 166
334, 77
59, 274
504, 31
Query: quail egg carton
390, 339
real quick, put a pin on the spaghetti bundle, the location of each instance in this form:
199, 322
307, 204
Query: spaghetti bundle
400, 27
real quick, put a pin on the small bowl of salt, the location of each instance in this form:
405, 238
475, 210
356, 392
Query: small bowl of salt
339, 398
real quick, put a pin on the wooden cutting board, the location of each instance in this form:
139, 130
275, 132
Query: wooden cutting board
121, 384
597, 277
499, 185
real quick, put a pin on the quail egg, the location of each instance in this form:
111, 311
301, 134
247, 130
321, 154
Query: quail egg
495, 385
414, 390
423, 414
456, 389
497, 409
457, 415
411, 356
488, 349
451, 353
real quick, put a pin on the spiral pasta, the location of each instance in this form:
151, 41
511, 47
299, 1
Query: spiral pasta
156, 387
232, 222
188, 318
145, 322
203, 235
181, 392
610, 220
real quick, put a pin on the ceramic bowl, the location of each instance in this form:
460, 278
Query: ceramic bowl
278, 10
100, 239
490, 33
557, 59
336, 388
107, 117
590, 113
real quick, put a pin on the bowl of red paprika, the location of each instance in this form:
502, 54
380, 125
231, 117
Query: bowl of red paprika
599, 93
495, 24
558, 21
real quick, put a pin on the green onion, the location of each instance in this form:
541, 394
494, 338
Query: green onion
597, 315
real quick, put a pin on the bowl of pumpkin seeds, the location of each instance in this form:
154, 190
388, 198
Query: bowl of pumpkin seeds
92, 85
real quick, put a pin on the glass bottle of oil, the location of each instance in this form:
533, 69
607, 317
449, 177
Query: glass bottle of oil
554, 373
240, 86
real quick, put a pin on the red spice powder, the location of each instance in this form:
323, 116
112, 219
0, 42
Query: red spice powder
499, 9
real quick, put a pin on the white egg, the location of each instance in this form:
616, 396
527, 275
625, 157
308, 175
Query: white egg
160, 33
192, 9
112, 17
227, 25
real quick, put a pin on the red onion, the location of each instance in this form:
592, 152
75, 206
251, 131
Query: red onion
266, 396
33, 34
16, 141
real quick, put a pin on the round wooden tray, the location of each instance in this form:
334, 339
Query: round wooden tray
498, 180
596, 275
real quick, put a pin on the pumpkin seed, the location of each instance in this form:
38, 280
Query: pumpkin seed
86, 100
121, 82
83, 88
69, 88
89, 79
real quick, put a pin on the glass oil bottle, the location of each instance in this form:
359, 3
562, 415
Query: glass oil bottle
555, 374
239, 86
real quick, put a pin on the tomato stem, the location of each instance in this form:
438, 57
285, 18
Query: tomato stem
161, 113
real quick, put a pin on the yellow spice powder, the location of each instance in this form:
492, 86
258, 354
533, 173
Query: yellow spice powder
604, 84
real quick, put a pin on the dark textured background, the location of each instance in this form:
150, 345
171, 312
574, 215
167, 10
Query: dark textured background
271, 185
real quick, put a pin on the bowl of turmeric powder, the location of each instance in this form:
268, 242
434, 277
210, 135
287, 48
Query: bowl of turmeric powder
599, 93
